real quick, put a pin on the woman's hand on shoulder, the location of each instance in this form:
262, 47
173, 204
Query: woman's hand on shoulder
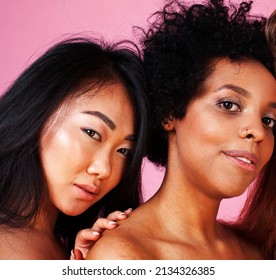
86, 238
122, 243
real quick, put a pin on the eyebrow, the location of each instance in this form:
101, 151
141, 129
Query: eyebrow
237, 89
241, 91
108, 122
273, 105
103, 117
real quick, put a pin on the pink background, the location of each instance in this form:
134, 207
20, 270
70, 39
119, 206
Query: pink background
29, 27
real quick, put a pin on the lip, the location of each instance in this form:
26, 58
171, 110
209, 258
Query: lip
87, 192
243, 159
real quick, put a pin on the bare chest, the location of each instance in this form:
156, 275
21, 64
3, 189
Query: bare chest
188, 251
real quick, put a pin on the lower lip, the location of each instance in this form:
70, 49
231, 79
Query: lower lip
84, 195
241, 164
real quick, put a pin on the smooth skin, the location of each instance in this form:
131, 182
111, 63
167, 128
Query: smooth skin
86, 238
215, 151
85, 150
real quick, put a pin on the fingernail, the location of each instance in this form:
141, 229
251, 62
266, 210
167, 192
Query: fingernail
72, 254
130, 209
112, 222
123, 214
95, 233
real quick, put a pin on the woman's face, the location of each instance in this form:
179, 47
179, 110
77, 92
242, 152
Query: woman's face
87, 146
226, 136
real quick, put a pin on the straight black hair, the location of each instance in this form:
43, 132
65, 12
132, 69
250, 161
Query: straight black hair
34, 97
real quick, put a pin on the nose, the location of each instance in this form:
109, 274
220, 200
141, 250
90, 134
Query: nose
100, 167
253, 131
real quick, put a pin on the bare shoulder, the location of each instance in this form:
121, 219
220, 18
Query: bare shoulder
12, 248
116, 244
20, 245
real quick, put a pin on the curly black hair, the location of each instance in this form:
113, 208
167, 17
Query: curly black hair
179, 49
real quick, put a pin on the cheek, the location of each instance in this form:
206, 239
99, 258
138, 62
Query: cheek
207, 130
60, 153
55, 148
202, 139
119, 168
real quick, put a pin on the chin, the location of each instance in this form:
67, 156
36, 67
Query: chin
234, 193
73, 212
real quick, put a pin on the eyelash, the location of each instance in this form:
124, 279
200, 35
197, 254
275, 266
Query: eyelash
222, 104
91, 133
273, 126
126, 152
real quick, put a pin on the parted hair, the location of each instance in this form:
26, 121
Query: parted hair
61, 73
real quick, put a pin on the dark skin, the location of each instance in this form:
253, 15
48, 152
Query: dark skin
235, 125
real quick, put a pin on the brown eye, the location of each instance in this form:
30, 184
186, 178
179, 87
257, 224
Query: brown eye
229, 106
269, 122
125, 152
92, 133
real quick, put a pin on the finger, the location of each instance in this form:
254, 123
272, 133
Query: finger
76, 255
123, 215
85, 235
72, 256
117, 215
102, 224
128, 211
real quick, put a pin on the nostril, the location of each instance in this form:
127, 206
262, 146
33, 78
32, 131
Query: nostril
250, 136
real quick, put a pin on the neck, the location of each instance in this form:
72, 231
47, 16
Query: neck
183, 205
46, 219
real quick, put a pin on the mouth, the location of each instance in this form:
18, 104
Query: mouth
243, 159
87, 192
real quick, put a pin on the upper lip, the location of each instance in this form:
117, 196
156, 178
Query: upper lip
93, 189
243, 154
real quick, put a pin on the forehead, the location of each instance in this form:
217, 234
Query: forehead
112, 100
249, 74
237, 67
101, 97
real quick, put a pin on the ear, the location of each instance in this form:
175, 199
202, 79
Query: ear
169, 123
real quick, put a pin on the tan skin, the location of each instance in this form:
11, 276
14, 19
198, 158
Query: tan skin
100, 137
26, 244
228, 139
